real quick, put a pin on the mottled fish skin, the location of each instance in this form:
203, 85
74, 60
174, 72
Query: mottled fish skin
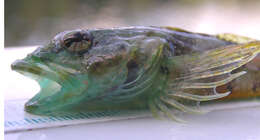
160, 68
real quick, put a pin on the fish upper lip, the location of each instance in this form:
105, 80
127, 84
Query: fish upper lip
23, 66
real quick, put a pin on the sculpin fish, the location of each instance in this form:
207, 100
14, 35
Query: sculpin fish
157, 68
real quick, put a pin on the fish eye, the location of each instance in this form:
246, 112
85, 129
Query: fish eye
77, 42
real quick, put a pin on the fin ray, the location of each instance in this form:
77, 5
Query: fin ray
194, 97
213, 84
217, 61
180, 106
208, 73
153, 108
167, 111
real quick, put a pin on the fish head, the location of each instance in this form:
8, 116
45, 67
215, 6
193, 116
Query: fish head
76, 66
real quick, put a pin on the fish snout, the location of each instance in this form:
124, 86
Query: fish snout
15, 64
19, 64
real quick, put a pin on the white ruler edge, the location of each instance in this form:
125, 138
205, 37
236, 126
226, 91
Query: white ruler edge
17, 120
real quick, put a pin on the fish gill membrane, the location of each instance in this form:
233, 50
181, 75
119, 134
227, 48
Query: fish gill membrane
67, 87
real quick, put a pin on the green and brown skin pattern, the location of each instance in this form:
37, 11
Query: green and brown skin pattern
131, 68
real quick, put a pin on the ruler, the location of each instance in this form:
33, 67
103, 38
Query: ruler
16, 119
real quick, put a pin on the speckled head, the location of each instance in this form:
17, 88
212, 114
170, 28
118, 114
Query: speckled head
75, 66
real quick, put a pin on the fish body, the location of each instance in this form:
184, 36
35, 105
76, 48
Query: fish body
156, 68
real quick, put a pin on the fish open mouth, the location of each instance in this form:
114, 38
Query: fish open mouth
48, 80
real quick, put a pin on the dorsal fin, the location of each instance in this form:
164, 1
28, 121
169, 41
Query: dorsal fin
234, 38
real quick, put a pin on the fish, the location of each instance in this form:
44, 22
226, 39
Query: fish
160, 69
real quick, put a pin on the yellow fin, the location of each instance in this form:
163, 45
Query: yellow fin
218, 61
201, 73
234, 38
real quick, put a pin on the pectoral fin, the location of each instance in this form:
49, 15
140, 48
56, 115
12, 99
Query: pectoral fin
214, 67
200, 72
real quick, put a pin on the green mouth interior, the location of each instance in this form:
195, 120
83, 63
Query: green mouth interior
43, 75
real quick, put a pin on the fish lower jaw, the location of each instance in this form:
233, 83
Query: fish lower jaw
48, 88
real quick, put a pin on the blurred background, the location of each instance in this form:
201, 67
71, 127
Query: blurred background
31, 22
